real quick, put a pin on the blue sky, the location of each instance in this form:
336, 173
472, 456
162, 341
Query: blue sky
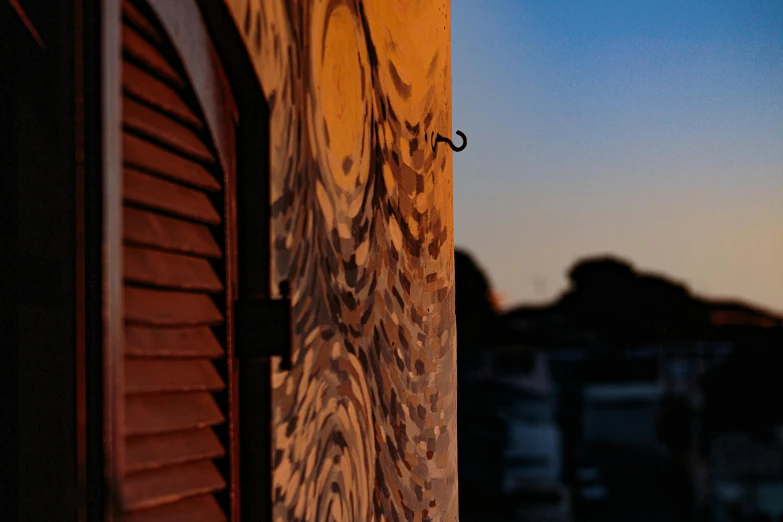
651, 129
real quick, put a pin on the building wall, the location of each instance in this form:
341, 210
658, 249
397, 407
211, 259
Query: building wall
622, 414
365, 423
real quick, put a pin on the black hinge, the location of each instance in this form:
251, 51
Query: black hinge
263, 328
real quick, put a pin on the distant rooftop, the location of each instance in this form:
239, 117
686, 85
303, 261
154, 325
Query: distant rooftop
737, 313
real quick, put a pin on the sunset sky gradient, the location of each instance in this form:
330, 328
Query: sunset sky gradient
648, 129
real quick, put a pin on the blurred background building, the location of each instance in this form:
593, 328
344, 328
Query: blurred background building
627, 398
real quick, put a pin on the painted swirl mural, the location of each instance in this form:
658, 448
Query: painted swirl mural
365, 422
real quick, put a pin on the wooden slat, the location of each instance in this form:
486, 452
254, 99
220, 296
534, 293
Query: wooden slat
166, 413
197, 509
162, 269
147, 489
158, 451
150, 122
143, 85
149, 229
157, 193
163, 308
147, 156
167, 375
132, 13
135, 45
169, 407
171, 342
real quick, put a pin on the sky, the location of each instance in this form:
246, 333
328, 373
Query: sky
647, 129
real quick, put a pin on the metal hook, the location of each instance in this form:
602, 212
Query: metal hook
450, 143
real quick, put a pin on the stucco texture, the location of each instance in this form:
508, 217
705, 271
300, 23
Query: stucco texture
364, 425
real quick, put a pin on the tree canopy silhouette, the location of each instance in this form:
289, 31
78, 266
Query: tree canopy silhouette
609, 296
476, 316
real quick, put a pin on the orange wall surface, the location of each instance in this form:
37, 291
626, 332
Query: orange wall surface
364, 425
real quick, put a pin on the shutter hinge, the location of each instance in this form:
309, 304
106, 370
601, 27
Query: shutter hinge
263, 327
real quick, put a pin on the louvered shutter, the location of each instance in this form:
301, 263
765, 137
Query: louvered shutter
174, 273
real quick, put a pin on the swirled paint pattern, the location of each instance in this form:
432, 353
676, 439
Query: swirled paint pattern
364, 425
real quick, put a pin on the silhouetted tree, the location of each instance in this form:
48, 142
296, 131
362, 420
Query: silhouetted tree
601, 290
596, 273
476, 316
610, 297
740, 392
481, 431
474, 306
